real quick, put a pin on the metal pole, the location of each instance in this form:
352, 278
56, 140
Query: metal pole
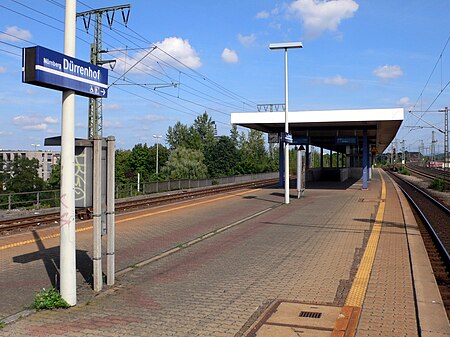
97, 215
157, 155
286, 128
139, 183
281, 162
68, 282
365, 160
433, 147
446, 140
299, 173
110, 215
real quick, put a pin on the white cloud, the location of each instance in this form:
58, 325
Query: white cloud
40, 126
111, 107
229, 56
34, 122
21, 120
51, 120
152, 118
262, 15
388, 71
113, 125
181, 50
247, 40
318, 16
14, 33
335, 80
2, 69
178, 49
404, 101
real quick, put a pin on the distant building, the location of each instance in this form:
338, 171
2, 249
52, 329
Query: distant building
413, 156
46, 160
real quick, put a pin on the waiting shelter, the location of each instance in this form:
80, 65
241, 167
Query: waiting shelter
354, 135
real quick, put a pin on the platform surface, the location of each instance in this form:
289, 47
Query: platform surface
309, 252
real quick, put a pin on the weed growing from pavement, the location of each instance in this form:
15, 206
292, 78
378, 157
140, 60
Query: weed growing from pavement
49, 299
2, 324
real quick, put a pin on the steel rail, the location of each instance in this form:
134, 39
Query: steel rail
429, 173
434, 235
121, 207
428, 225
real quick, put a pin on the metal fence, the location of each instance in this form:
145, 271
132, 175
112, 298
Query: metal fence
45, 199
129, 190
32, 200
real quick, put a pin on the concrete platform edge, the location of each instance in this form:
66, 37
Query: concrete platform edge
431, 314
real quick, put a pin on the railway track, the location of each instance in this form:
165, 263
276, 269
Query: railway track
433, 221
429, 173
52, 218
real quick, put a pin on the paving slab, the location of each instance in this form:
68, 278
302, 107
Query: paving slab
307, 251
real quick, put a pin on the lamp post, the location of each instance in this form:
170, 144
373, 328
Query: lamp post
286, 46
157, 155
35, 146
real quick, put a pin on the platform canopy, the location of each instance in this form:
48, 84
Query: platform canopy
331, 129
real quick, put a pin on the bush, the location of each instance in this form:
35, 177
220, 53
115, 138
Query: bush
404, 170
49, 299
438, 184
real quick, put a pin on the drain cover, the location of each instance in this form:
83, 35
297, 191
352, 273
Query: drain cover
296, 319
285, 319
310, 314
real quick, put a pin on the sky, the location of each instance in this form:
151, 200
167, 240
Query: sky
213, 56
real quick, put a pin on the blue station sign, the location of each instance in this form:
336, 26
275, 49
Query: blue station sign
288, 138
50, 69
346, 140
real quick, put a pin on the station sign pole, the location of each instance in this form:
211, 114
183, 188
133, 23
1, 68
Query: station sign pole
67, 212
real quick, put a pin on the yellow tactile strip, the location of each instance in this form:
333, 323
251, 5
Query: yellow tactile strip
171, 209
359, 287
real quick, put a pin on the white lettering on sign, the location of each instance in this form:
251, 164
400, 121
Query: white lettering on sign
79, 70
52, 64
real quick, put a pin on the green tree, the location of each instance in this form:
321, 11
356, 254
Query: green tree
185, 163
254, 156
163, 156
205, 128
234, 135
179, 135
123, 170
222, 157
54, 181
24, 176
139, 162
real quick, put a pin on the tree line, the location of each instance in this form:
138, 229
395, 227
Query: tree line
192, 152
195, 152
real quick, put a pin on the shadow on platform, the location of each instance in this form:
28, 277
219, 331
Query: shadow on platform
50, 258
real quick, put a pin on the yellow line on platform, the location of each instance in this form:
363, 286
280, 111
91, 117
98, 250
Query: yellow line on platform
52, 236
185, 206
359, 287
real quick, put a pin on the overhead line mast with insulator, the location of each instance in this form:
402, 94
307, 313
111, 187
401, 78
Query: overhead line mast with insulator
95, 116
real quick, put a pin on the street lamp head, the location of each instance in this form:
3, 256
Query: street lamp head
285, 45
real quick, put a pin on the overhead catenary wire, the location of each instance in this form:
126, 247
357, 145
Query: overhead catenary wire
442, 89
9, 52
145, 40
189, 90
192, 112
40, 21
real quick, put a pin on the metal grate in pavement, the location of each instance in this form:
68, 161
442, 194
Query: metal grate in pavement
310, 314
